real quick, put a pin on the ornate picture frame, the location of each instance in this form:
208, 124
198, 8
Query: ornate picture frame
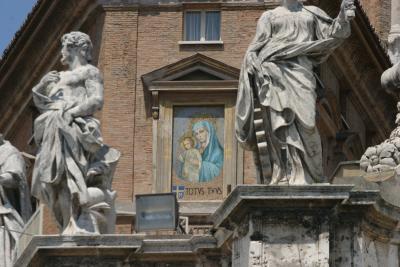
163, 150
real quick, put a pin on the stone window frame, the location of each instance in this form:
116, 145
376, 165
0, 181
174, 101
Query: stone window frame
174, 84
203, 26
162, 137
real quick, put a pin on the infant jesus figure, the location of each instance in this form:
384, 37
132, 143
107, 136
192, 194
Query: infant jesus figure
191, 160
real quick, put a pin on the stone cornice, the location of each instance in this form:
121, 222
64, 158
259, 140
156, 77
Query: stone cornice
164, 79
119, 8
250, 197
114, 5
120, 247
35, 51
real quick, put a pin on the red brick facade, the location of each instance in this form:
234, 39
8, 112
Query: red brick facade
132, 40
378, 12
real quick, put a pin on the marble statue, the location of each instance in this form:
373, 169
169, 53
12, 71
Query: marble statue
74, 169
390, 79
394, 34
15, 205
276, 103
386, 156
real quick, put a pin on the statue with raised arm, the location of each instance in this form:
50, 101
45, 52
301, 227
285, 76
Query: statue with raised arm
15, 205
276, 103
74, 169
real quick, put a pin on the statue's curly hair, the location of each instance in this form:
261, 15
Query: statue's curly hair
80, 40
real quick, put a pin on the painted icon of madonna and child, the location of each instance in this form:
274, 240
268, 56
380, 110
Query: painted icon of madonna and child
197, 147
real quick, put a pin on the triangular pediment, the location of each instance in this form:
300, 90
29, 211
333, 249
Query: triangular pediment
194, 68
197, 73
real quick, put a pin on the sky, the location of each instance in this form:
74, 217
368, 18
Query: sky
12, 16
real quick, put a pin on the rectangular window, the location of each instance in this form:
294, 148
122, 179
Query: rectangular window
193, 26
202, 26
213, 22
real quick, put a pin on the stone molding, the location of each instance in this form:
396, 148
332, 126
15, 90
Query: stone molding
245, 198
123, 248
164, 79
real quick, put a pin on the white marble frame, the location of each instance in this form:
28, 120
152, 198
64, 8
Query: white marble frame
162, 137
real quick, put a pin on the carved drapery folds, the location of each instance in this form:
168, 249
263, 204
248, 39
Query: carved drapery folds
276, 103
74, 169
15, 206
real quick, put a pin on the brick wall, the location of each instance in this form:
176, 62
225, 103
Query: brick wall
378, 12
117, 61
158, 37
130, 43
123, 62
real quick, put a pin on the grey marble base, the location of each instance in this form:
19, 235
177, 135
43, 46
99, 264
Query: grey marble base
293, 225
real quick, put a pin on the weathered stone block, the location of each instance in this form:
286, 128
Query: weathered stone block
315, 225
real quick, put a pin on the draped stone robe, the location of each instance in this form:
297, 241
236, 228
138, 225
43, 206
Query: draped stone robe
68, 151
278, 72
15, 206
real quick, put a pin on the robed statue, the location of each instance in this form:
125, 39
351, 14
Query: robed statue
74, 169
15, 202
276, 103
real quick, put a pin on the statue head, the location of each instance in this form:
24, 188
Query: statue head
76, 44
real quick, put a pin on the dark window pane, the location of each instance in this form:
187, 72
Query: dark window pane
192, 25
213, 24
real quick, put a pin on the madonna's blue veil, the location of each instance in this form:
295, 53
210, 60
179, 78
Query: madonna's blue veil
213, 155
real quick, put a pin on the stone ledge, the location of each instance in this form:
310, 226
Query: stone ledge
312, 198
118, 248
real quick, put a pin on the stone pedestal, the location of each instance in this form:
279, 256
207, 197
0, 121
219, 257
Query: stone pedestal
283, 241
313, 225
137, 250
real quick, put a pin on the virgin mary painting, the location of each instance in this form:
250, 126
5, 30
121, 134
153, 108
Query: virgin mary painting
212, 153
198, 145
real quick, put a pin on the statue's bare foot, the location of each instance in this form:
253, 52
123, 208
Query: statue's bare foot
73, 229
